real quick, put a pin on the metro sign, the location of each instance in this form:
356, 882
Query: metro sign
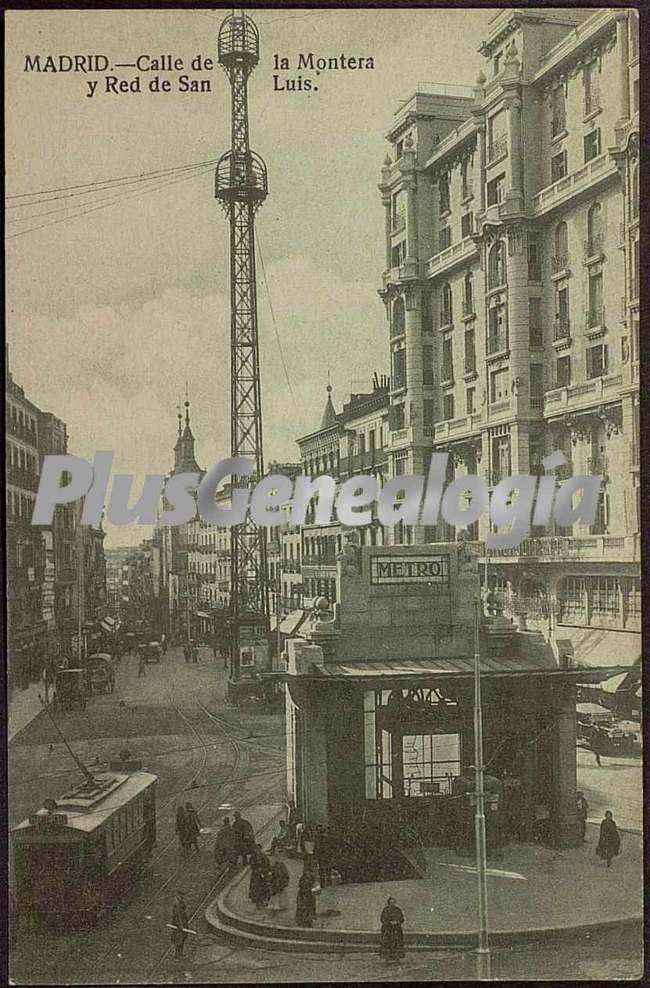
396, 570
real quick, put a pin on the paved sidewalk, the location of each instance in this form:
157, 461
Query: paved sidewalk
617, 786
24, 706
530, 888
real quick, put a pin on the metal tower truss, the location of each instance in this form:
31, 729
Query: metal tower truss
241, 187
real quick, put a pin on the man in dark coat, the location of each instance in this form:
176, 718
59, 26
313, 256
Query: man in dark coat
392, 938
225, 845
180, 923
609, 844
259, 890
193, 826
245, 837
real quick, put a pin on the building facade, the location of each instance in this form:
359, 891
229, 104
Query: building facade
512, 295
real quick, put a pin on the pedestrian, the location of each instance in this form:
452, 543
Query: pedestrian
225, 846
597, 746
323, 854
308, 846
182, 828
259, 888
583, 810
306, 900
179, 923
163, 642
282, 839
142, 664
609, 843
391, 947
245, 837
225, 659
193, 826
214, 650
186, 652
194, 652
279, 885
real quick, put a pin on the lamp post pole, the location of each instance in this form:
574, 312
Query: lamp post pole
483, 963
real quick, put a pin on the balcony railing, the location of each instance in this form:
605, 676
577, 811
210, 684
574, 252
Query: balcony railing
594, 245
497, 149
470, 365
15, 428
595, 317
561, 328
447, 374
558, 548
468, 306
22, 478
592, 102
560, 262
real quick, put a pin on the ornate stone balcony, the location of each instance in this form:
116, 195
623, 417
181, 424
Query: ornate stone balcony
591, 174
559, 549
457, 254
577, 395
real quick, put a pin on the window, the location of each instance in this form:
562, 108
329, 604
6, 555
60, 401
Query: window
603, 594
443, 193
558, 111
466, 182
535, 329
496, 63
497, 136
572, 597
635, 96
496, 190
427, 324
398, 210
499, 381
634, 192
447, 372
427, 365
633, 34
591, 88
595, 239
536, 380
396, 418
595, 313
561, 312
563, 372
444, 237
399, 369
397, 322
497, 265
361, 442
634, 287
470, 352
591, 143
596, 361
429, 763
466, 225
558, 166
448, 406
398, 254
470, 401
446, 306
428, 412
468, 294
534, 259
401, 463
372, 440
500, 449
497, 329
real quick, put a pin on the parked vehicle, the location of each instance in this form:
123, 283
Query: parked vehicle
70, 689
153, 652
100, 673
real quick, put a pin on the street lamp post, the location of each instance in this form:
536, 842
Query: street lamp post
483, 962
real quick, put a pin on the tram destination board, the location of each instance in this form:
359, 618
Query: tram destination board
396, 570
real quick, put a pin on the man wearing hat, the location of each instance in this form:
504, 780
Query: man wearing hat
179, 923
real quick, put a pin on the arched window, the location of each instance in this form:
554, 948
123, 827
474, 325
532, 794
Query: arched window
594, 230
398, 323
497, 265
446, 305
468, 294
561, 259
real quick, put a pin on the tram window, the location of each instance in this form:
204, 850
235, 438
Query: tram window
430, 763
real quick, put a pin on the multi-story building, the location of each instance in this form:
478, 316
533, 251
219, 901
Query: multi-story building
115, 564
512, 295
59, 539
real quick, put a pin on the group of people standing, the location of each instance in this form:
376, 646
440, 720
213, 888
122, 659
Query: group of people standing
191, 651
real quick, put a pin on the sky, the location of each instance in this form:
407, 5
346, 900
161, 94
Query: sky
112, 312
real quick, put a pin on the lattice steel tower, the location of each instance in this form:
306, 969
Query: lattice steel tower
241, 187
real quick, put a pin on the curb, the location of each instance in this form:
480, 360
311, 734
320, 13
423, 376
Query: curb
235, 928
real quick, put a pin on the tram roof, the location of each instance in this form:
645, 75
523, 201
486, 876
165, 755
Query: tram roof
120, 790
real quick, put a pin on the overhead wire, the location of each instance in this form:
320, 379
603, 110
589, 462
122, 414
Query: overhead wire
273, 320
112, 201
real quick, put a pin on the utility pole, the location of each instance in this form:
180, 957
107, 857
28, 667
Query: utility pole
241, 186
278, 605
81, 585
483, 964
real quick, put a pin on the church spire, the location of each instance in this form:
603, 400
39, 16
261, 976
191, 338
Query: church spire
184, 455
329, 415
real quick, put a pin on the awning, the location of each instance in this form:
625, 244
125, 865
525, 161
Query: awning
602, 647
202, 614
290, 624
460, 667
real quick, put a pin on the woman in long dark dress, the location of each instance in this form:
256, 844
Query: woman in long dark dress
259, 888
392, 937
609, 843
193, 826
305, 900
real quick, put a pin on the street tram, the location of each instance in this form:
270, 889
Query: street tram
75, 855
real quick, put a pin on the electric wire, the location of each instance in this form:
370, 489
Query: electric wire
275, 326
120, 198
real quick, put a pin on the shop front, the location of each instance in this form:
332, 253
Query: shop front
380, 708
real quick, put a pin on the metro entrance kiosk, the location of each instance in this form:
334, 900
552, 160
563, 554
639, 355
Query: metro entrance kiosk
380, 707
